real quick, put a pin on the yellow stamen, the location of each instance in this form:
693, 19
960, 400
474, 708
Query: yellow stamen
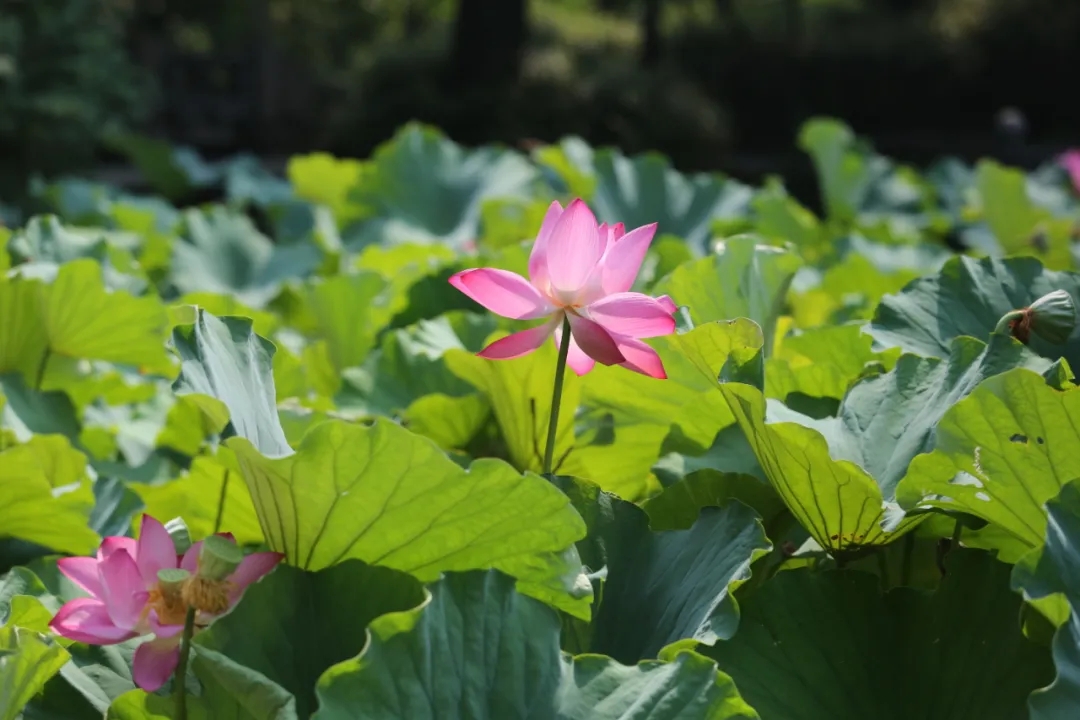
208, 596
168, 603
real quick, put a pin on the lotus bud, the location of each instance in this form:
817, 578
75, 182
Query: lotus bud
1053, 317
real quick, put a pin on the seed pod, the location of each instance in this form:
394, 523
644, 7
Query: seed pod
218, 557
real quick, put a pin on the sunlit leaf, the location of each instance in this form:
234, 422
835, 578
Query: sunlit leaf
388, 497
27, 661
210, 497
45, 496
743, 279
1001, 454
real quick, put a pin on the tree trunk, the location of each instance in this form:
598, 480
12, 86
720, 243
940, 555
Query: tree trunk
489, 37
650, 33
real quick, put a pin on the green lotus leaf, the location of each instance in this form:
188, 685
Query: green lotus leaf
508, 222
837, 501
388, 497
834, 474
264, 323
423, 188
969, 297
210, 496
223, 360
696, 477
77, 317
1020, 227
1001, 454
140, 705
407, 377
841, 169
409, 364
848, 290
95, 675
348, 311
646, 189
45, 496
887, 420
824, 362
27, 661
744, 279
44, 239
1042, 574
330, 181
627, 415
33, 411
519, 392
293, 625
670, 586
781, 217
222, 252
504, 649
828, 645
24, 338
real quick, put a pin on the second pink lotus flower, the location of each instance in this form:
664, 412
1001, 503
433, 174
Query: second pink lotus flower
582, 271
126, 598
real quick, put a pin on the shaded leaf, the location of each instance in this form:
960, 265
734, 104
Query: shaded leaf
969, 297
293, 625
664, 587
828, 645
1054, 569
425, 188
505, 650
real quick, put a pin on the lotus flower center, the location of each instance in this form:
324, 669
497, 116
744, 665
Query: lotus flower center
168, 603
208, 596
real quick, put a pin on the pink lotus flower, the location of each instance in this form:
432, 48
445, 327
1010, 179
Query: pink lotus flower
584, 272
127, 600
1070, 160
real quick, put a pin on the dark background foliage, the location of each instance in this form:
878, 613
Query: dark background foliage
715, 84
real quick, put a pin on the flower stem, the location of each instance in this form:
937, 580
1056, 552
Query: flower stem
181, 666
221, 501
1003, 325
556, 396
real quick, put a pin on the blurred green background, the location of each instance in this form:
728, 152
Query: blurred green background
715, 84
